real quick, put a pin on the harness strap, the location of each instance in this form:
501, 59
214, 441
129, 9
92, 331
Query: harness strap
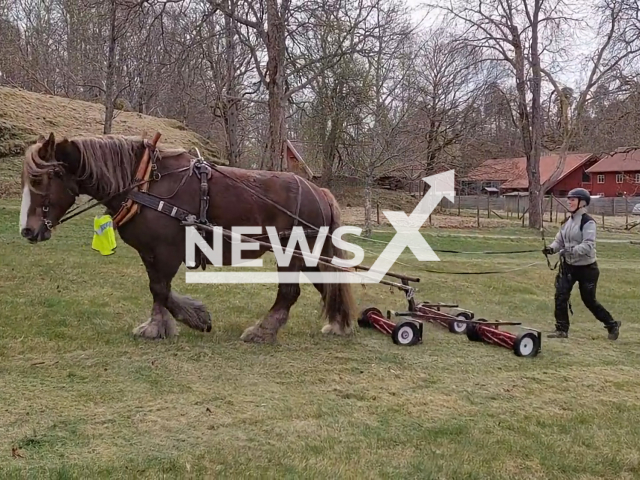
155, 203
295, 221
129, 208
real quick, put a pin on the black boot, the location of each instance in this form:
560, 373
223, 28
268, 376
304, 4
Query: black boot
614, 330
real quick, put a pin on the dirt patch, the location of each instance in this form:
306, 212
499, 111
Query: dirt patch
353, 197
24, 115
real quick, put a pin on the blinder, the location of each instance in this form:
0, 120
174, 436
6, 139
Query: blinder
55, 172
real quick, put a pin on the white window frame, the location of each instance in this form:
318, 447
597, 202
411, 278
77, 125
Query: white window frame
637, 177
619, 177
601, 178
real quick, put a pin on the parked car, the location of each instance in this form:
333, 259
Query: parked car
636, 209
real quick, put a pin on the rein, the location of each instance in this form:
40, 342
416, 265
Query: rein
131, 205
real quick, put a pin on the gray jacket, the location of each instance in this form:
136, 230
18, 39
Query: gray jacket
578, 248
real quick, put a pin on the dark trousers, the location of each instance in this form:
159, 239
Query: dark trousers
587, 278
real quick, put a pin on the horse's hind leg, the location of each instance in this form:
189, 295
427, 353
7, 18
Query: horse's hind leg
335, 306
266, 330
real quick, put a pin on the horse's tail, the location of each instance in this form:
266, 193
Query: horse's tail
338, 302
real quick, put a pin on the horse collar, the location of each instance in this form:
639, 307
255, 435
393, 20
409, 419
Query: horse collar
148, 164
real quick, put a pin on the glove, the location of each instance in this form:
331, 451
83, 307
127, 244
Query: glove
565, 251
547, 251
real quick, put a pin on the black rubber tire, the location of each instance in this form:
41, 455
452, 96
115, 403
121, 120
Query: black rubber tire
472, 333
460, 327
406, 333
363, 320
526, 344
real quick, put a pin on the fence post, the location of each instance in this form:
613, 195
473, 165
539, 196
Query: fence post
478, 212
458, 205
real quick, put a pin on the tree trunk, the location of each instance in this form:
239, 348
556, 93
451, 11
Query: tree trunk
536, 194
530, 143
111, 70
329, 151
276, 147
231, 117
368, 229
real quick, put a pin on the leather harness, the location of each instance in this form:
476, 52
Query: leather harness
146, 173
139, 195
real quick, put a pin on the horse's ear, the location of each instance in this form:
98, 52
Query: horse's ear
48, 149
41, 139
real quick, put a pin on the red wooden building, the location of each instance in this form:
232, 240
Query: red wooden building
510, 175
617, 174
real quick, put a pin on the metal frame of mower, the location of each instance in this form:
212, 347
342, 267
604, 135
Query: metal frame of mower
454, 320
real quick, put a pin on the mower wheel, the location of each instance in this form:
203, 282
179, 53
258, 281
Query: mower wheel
406, 333
459, 327
472, 332
363, 318
526, 344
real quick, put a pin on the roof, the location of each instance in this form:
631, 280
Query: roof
303, 165
501, 169
624, 159
513, 171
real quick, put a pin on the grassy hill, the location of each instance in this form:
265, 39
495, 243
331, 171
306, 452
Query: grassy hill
24, 115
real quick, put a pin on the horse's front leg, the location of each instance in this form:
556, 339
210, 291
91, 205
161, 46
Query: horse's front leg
161, 268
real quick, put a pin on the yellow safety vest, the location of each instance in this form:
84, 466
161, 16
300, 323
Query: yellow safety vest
104, 238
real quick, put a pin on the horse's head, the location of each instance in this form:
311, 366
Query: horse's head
49, 187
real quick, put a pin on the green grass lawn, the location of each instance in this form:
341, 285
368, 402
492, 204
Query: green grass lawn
80, 398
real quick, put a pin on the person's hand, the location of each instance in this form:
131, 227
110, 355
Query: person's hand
565, 251
547, 251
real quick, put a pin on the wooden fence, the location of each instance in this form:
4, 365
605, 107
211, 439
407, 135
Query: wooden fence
608, 206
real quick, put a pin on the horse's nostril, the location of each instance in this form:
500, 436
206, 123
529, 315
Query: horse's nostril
27, 232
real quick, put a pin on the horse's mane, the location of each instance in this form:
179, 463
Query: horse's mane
108, 160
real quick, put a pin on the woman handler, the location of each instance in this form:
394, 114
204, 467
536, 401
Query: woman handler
576, 244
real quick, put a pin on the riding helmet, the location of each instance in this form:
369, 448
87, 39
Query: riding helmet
580, 193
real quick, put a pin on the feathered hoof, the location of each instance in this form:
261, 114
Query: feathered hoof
157, 330
256, 334
336, 329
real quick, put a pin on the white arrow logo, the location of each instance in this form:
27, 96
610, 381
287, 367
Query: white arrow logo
407, 228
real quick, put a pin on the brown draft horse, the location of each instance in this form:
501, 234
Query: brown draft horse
56, 172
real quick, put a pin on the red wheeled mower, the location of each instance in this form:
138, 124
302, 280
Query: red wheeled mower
523, 344
409, 331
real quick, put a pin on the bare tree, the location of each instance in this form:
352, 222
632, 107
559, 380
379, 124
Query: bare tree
284, 21
378, 138
523, 34
450, 79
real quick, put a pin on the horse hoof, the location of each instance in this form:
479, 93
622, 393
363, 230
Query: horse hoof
151, 331
257, 335
334, 328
